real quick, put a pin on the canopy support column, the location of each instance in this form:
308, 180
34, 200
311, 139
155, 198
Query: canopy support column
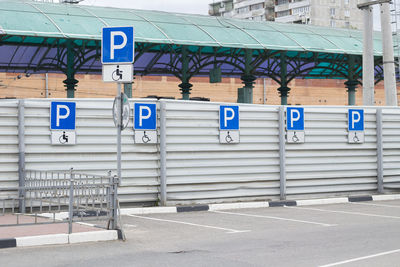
351, 83
245, 94
185, 85
351, 86
70, 82
284, 89
128, 89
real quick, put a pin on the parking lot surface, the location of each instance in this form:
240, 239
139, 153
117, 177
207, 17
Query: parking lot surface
350, 234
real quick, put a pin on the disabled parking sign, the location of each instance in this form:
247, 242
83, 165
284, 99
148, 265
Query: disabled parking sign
145, 123
295, 125
63, 123
229, 125
356, 126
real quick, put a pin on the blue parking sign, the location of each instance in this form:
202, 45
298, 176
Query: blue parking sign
295, 119
145, 116
62, 115
117, 45
229, 117
356, 120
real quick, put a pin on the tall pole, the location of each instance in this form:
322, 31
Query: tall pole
368, 76
119, 130
388, 57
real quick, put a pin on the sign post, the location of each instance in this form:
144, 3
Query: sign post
117, 55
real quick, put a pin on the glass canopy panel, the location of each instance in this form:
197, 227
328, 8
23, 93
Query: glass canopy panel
33, 23
233, 37
313, 42
186, 34
274, 40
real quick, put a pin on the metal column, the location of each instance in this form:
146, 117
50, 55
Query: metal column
282, 152
284, 89
368, 58
379, 147
185, 85
388, 57
163, 154
21, 162
245, 94
128, 89
70, 82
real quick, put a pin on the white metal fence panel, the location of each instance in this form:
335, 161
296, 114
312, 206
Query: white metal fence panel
196, 167
391, 148
200, 169
9, 151
326, 164
95, 151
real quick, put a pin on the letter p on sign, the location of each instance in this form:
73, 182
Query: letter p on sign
295, 119
117, 45
356, 119
229, 117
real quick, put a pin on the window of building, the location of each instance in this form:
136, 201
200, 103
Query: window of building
301, 10
332, 11
282, 13
347, 13
333, 23
347, 24
257, 6
346, 2
282, 2
243, 10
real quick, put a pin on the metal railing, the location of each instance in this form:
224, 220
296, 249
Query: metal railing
63, 197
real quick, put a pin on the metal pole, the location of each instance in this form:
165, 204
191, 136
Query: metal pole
379, 147
388, 57
71, 202
265, 91
282, 152
21, 162
115, 204
47, 84
368, 58
163, 153
119, 131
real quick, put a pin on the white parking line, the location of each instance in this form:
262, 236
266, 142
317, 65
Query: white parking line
274, 218
228, 230
347, 212
377, 205
361, 258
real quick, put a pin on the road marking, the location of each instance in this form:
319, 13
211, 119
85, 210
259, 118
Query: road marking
228, 230
377, 205
348, 212
274, 218
129, 225
362, 258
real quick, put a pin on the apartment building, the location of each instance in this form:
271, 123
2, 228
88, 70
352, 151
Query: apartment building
333, 13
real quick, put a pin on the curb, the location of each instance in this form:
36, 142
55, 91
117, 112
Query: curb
250, 205
59, 239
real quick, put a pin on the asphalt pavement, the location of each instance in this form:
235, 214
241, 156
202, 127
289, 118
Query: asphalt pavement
348, 234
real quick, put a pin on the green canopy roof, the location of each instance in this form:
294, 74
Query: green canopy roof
65, 21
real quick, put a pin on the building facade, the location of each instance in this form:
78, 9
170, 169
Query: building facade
330, 13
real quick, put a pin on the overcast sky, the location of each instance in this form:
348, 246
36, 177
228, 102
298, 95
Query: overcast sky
178, 6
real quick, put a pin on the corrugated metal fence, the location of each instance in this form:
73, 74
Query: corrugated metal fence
189, 165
